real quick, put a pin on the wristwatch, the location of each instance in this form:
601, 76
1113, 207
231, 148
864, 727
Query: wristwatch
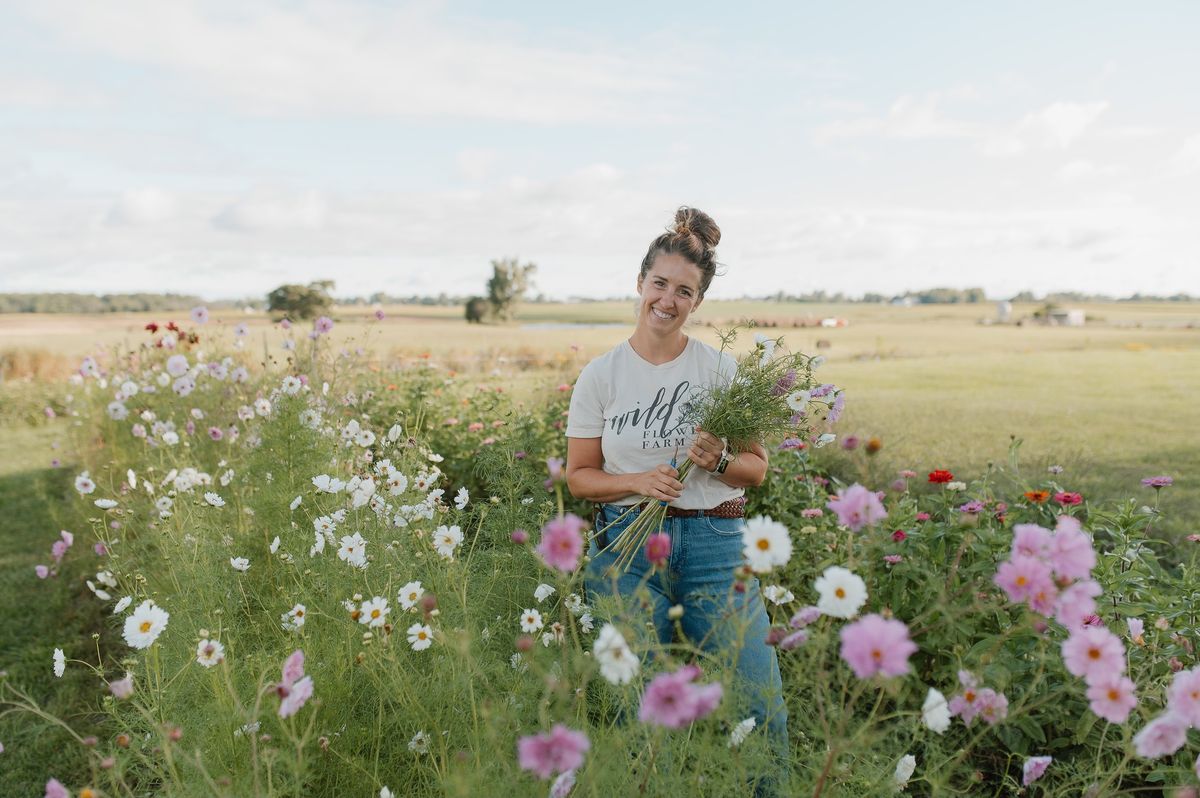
724, 462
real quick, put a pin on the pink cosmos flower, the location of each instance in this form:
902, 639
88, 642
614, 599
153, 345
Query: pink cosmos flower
216, 433
794, 640
1112, 697
673, 701
893, 559
658, 549
475, 426
1031, 540
557, 751
562, 542
200, 314
993, 706
295, 688
379, 315
41, 571
554, 465
1033, 768
122, 688
804, 617
1021, 577
874, 645
1183, 697
922, 516
1136, 628
1094, 653
1077, 603
1162, 736
55, 789
322, 325
857, 507
1071, 552
812, 512
1158, 482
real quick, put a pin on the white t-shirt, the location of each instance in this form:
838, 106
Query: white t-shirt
636, 409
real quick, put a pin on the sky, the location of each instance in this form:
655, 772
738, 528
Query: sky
224, 148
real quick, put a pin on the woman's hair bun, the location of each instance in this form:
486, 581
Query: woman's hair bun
699, 224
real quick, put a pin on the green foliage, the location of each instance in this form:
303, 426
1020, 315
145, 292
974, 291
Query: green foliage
475, 309
301, 301
507, 286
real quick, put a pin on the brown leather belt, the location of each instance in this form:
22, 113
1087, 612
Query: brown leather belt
734, 508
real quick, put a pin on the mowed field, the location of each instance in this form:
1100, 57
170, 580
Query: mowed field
1112, 401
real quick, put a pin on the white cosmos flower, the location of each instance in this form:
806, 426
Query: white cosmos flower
798, 401
209, 652
446, 539
291, 385
842, 592
262, 407
84, 484
177, 365
419, 744
766, 544
935, 713
384, 792
742, 731
214, 499
956, 486
420, 636
328, 484
618, 664
293, 619
105, 504
275, 544
295, 502
364, 438
131, 478
240, 564
777, 594
100, 592
374, 612
170, 437
117, 411
531, 621
461, 498
825, 439
768, 345
353, 550
122, 605
904, 770
410, 594
397, 483
310, 418
543, 592
60, 662
144, 626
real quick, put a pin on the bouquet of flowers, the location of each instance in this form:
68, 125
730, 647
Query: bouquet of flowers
773, 396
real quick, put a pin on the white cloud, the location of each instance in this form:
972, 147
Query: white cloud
147, 205
1061, 123
1186, 159
321, 56
474, 163
273, 210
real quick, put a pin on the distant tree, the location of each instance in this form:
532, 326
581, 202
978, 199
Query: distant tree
301, 301
476, 309
507, 286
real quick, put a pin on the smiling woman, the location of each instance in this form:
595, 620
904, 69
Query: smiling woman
626, 430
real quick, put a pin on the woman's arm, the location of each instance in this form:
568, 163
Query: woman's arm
746, 470
587, 479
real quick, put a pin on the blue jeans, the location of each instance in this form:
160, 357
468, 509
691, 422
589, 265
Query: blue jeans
731, 626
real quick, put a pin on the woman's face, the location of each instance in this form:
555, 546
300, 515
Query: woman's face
670, 291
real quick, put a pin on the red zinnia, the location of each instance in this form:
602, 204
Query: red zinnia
152, 327
899, 535
1065, 498
939, 476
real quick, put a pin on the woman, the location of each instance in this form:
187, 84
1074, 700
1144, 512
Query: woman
624, 430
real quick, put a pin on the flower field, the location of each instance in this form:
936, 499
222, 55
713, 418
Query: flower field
314, 577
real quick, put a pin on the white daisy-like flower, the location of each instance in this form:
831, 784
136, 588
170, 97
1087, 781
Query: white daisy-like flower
295, 502
353, 550
84, 484
214, 499
293, 619
586, 622
618, 663
275, 544
240, 564
210, 653
777, 594
374, 612
310, 418
328, 484
364, 438
291, 385
766, 544
574, 604
446, 539
935, 712
144, 626
956, 486
106, 578
100, 592
122, 605
117, 411
842, 592
60, 662
384, 792
177, 365
531, 621
105, 504
742, 731
825, 439
226, 477
262, 407
461, 498
543, 592
768, 345
798, 401
410, 594
420, 636
419, 744
318, 545
397, 483
904, 770
131, 478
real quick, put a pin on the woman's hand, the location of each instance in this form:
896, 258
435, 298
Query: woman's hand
706, 450
662, 483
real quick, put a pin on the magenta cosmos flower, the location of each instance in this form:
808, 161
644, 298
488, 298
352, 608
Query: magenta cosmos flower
658, 549
1033, 768
1183, 697
674, 701
857, 507
1112, 697
1094, 653
562, 542
295, 688
557, 751
877, 645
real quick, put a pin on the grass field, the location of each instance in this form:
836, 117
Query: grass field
1111, 401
